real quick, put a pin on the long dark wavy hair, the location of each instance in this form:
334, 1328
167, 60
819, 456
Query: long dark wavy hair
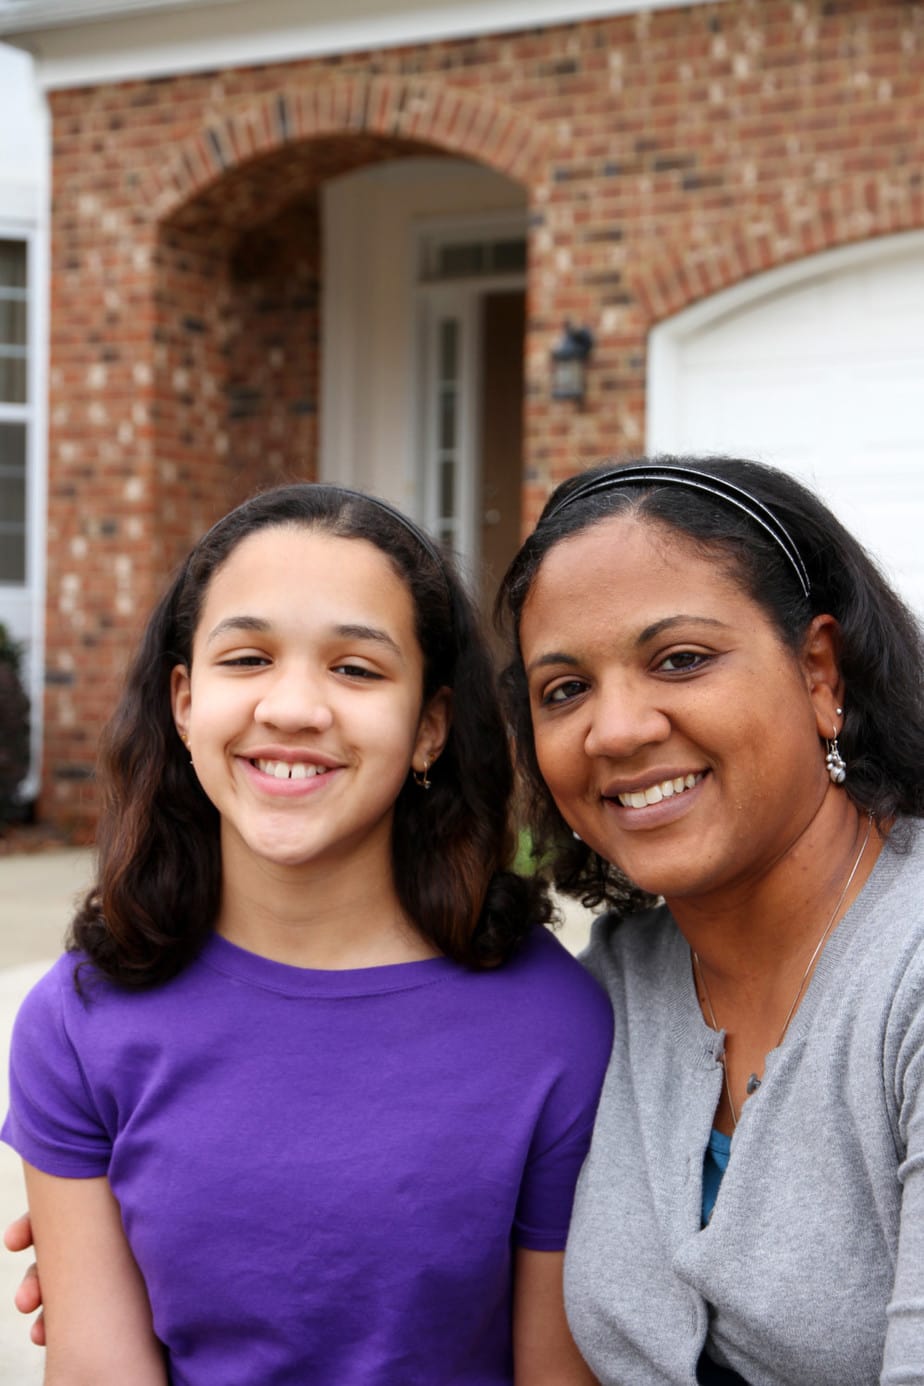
880, 644
159, 875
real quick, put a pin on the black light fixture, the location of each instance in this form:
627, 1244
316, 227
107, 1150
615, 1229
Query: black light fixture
570, 355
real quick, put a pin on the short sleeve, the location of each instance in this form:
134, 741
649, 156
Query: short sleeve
53, 1122
562, 1136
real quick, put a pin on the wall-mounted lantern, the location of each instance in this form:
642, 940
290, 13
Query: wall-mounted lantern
570, 355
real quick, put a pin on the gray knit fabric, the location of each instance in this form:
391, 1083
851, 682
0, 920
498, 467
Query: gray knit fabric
811, 1272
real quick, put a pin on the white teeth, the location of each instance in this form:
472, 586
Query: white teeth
282, 770
640, 798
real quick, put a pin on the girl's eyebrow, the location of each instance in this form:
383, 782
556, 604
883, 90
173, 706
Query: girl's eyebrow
381, 637
350, 631
254, 623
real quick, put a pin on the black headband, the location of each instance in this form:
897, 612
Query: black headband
672, 475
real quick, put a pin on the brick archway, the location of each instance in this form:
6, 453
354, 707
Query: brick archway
844, 215
462, 123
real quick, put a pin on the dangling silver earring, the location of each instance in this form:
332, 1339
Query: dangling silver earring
421, 777
835, 762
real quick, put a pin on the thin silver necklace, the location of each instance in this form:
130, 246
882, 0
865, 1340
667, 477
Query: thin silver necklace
754, 1082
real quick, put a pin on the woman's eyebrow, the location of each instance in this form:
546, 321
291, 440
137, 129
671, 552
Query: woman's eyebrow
553, 657
658, 627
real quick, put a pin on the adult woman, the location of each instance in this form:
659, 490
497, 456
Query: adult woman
718, 701
310, 1101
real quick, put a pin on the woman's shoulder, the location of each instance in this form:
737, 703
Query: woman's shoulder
623, 943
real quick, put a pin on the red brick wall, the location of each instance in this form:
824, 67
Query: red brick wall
666, 156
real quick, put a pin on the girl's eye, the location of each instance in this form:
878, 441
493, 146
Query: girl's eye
250, 661
682, 662
562, 692
356, 671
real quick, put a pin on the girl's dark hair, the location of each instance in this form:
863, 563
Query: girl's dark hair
880, 649
159, 876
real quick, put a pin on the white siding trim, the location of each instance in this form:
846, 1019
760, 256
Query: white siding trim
234, 34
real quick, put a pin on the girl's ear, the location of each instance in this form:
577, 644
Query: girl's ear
180, 699
821, 669
432, 730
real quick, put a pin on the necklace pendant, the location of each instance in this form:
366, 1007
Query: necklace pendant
752, 1085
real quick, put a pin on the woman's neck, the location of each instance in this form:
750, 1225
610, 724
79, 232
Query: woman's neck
760, 927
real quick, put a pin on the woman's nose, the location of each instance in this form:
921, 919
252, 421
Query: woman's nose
295, 700
624, 720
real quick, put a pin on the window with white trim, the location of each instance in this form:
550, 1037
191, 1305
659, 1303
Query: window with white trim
14, 410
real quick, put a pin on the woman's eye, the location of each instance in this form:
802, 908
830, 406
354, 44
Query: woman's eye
682, 661
562, 692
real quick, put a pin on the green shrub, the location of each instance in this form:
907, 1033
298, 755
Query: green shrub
14, 727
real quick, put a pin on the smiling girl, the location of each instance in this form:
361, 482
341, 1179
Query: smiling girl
307, 1099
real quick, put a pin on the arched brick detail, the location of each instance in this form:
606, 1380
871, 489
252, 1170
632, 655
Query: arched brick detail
843, 215
459, 122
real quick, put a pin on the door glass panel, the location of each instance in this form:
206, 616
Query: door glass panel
448, 431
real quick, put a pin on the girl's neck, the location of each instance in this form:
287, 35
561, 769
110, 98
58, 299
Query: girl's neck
330, 917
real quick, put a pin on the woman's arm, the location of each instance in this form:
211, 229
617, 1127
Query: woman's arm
98, 1319
28, 1296
544, 1353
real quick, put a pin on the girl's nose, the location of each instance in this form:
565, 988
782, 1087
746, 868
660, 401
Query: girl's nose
295, 701
623, 721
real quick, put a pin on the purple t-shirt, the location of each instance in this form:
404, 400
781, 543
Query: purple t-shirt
322, 1175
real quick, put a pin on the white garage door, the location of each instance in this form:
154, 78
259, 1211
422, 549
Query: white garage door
818, 368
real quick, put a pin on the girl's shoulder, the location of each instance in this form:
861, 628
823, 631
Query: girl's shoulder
547, 986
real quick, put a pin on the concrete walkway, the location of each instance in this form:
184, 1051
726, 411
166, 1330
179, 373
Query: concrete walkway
38, 892
37, 896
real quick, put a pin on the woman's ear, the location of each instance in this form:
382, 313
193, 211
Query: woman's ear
432, 730
820, 661
180, 700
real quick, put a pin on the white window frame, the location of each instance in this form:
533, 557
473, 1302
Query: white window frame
34, 414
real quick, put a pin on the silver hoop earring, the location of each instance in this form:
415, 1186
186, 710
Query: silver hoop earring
422, 777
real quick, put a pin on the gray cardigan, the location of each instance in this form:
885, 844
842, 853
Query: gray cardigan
811, 1271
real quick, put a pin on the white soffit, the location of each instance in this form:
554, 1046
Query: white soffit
89, 41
